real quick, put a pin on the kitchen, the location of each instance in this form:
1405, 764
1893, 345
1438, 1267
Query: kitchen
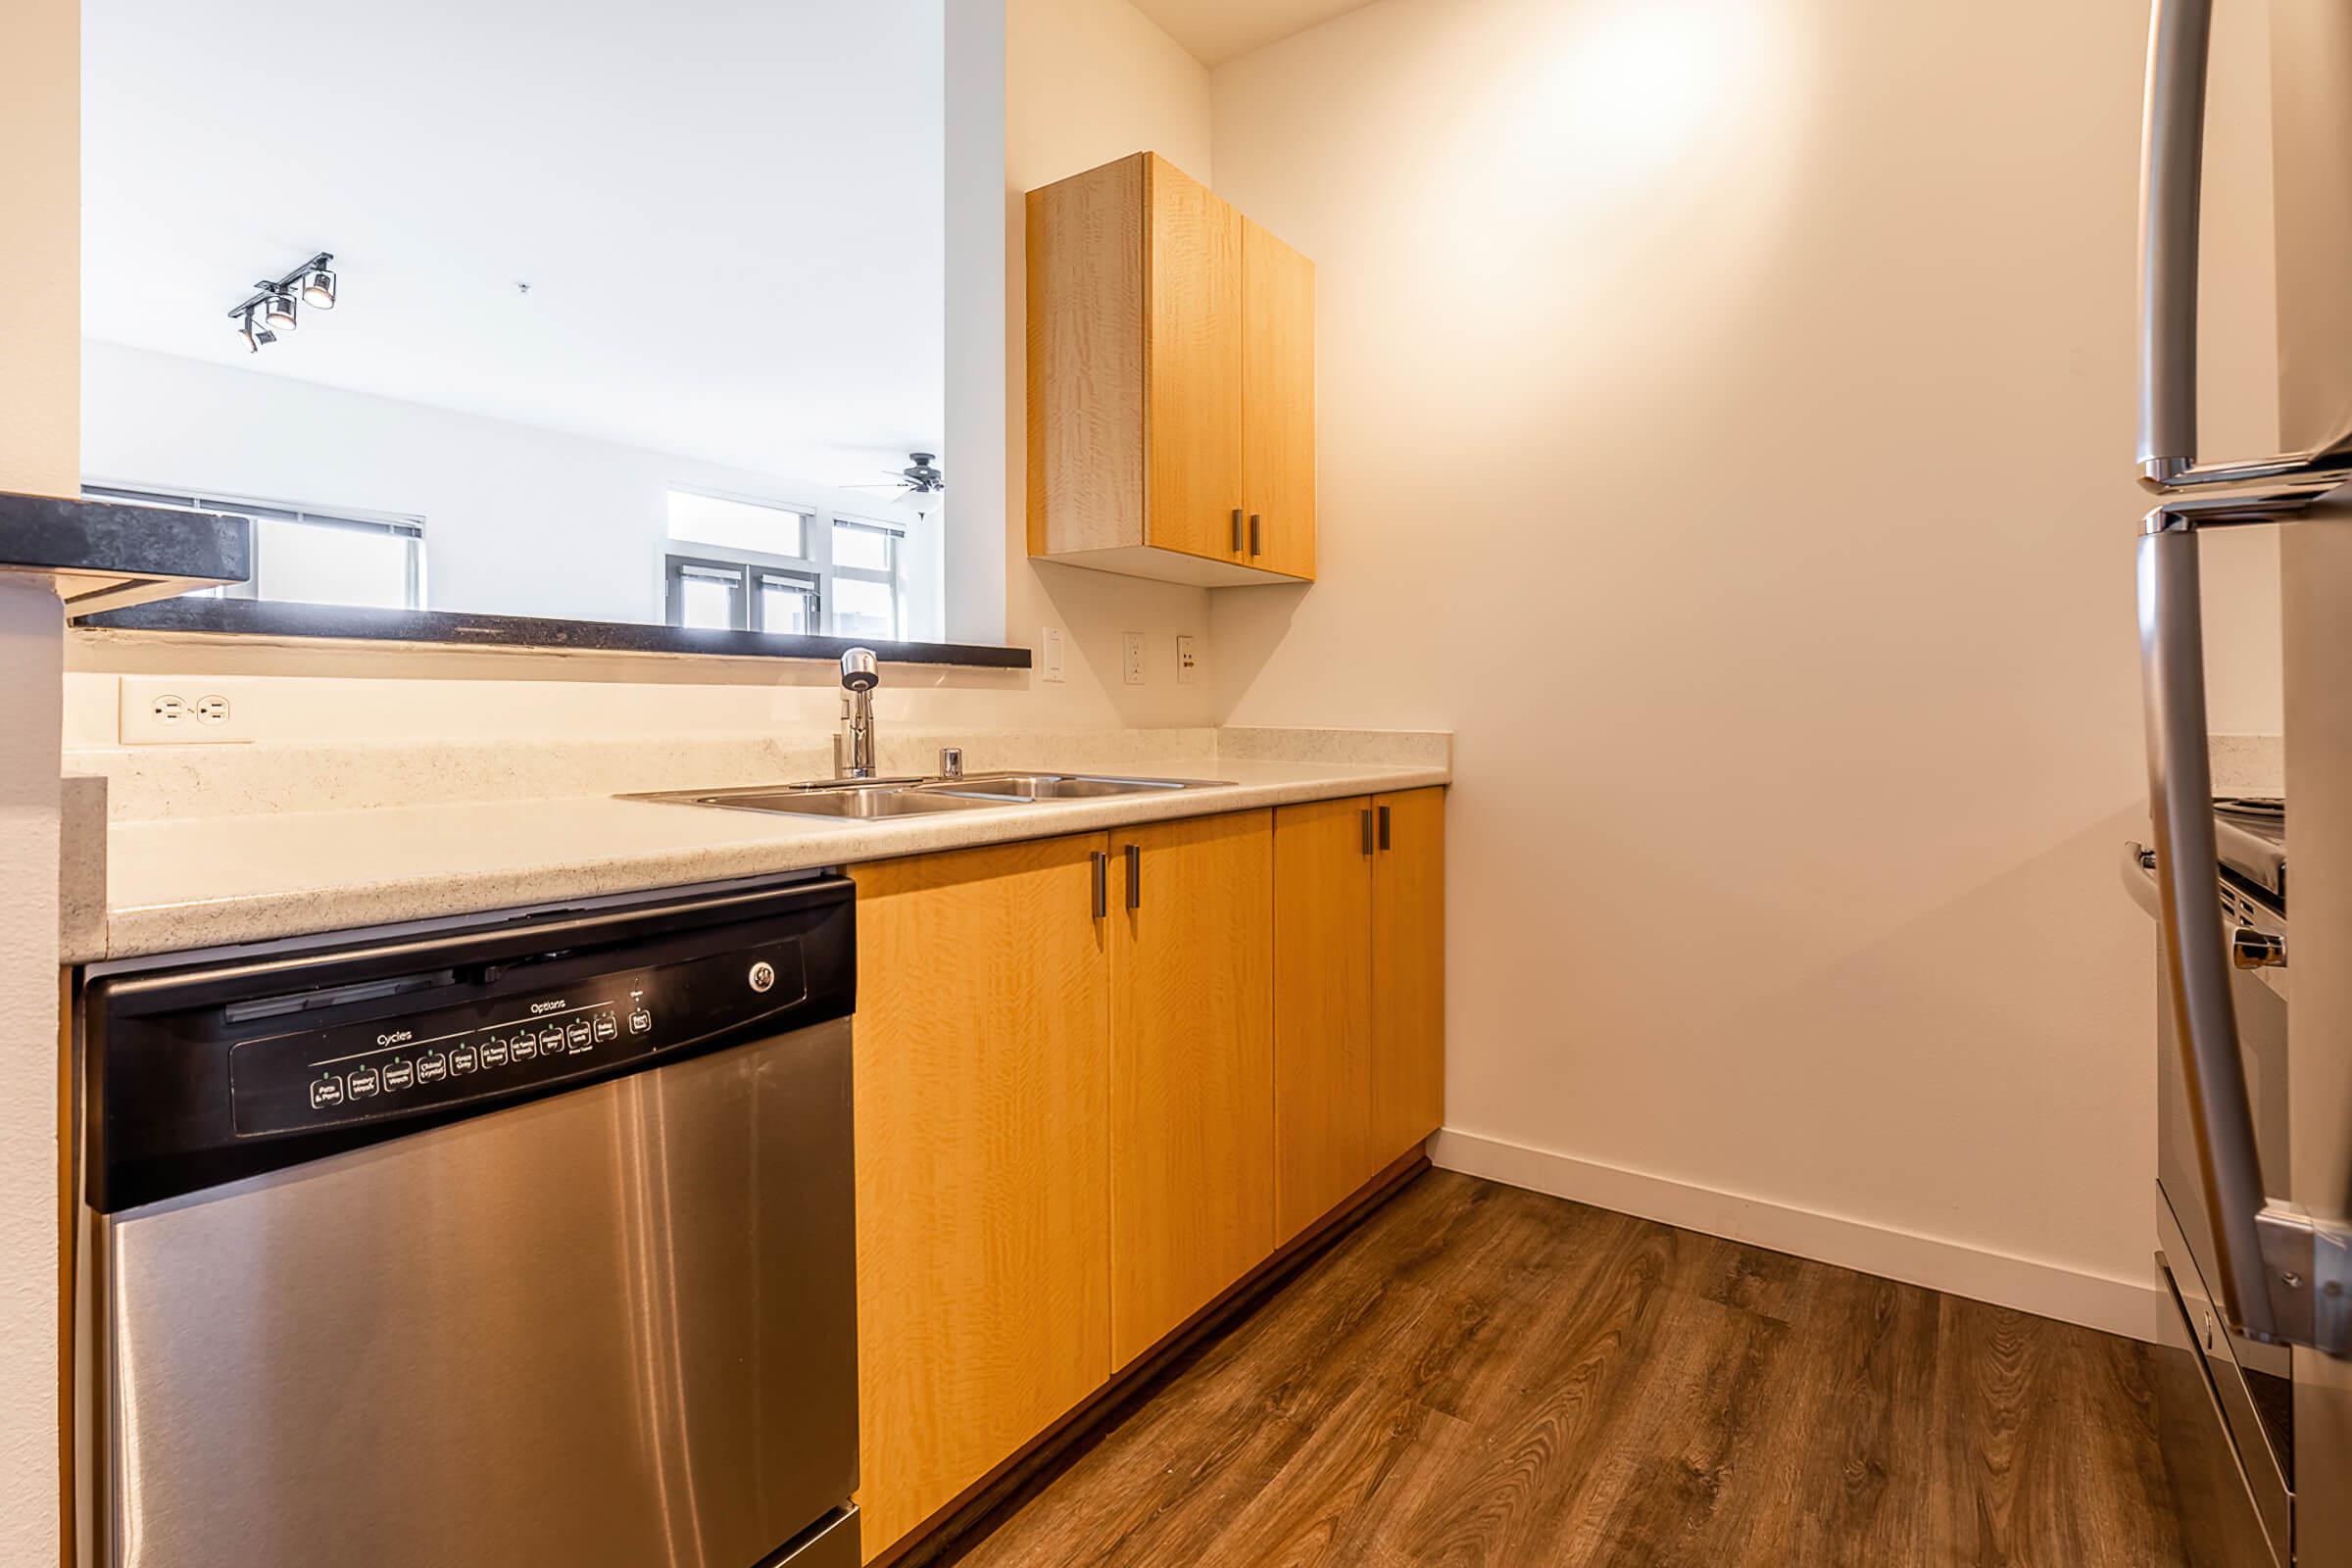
1696, 535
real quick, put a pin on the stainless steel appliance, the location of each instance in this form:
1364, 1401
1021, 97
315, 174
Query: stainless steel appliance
2255, 1161
527, 1243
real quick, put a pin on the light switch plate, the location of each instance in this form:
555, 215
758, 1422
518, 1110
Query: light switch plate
185, 711
1050, 656
1130, 645
1185, 661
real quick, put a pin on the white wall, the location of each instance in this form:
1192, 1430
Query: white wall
1660, 344
519, 520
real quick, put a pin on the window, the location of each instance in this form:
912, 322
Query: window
865, 579
762, 565
309, 556
739, 596
753, 527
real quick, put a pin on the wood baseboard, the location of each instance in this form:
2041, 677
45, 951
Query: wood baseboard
974, 1511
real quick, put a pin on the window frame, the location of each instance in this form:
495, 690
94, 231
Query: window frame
747, 574
400, 525
818, 567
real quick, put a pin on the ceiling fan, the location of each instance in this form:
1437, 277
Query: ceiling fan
919, 485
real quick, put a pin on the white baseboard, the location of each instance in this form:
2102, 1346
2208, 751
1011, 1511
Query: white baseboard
2047, 1290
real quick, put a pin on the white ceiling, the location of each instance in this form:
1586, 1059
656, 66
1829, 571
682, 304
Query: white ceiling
730, 212
1217, 30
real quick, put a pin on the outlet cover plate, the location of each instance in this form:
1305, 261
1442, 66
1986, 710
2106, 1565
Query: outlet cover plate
185, 711
1130, 645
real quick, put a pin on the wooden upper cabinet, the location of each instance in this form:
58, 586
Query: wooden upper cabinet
1171, 382
983, 1081
1278, 402
1191, 1068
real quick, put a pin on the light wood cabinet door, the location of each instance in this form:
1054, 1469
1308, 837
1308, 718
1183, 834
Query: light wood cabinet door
1408, 971
982, 1104
1192, 404
1278, 403
1191, 1068
1322, 1008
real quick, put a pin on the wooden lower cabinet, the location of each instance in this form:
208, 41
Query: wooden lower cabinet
1408, 970
1191, 1068
983, 1086
1359, 992
1322, 1008
1100, 1080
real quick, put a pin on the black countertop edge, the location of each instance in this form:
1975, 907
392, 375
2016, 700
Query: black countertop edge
66, 534
258, 618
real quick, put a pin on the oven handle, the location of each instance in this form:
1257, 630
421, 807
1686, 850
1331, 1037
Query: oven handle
2285, 1275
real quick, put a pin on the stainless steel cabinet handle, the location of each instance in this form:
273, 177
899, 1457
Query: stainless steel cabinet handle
1237, 530
1384, 827
1134, 876
1367, 824
1253, 533
1101, 862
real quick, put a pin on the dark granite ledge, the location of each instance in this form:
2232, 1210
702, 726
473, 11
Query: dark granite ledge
255, 618
103, 553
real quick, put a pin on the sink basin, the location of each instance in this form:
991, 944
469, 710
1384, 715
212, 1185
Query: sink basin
866, 799
1057, 786
854, 800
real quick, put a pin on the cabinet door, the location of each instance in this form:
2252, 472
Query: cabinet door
983, 1056
1322, 1008
1278, 402
1408, 971
1193, 411
1191, 1068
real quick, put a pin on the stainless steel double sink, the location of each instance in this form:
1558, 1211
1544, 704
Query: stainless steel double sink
872, 798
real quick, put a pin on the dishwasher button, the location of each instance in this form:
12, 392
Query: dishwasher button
326, 1092
551, 1039
578, 1030
431, 1067
398, 1074
464, 1058
607, 1027
364, 1082
526, 1046
494, 1051
641, 1022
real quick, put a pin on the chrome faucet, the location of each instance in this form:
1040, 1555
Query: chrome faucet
854, 748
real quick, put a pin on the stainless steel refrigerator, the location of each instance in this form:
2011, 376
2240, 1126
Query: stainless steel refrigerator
2255, 1055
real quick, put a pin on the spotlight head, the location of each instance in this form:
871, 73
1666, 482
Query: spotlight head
253, 342
280, 312
262, 338
318, 289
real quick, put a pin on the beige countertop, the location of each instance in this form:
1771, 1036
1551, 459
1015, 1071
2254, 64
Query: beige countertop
181, 883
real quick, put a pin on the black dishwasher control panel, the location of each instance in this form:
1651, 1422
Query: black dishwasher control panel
313, 1078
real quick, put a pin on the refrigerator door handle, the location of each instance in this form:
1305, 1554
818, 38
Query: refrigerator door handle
2283, 1275
2172, 178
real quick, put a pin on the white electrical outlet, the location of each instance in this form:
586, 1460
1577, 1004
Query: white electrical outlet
1186, 662
185, 711
1051, 655
1130, 645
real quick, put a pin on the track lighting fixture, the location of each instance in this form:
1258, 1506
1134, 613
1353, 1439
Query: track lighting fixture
271, 309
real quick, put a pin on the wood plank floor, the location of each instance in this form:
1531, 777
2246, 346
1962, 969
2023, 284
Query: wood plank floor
1486, 1378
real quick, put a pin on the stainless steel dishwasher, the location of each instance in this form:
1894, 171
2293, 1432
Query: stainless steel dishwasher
527, 1243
